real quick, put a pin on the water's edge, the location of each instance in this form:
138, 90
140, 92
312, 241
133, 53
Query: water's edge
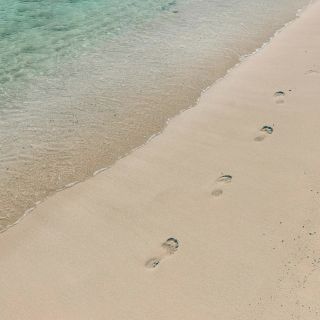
227, 73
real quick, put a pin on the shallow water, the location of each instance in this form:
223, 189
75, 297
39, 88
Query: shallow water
84, 82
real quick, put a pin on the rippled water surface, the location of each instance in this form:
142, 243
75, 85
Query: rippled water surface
82, 82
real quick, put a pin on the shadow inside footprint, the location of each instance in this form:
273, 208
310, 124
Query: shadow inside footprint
225, 178
279, 94
267, 129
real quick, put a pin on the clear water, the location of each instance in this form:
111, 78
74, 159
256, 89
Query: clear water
82, 82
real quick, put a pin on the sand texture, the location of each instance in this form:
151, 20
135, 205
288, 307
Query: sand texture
218, 217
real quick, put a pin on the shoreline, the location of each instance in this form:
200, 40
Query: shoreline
238, 200
24, 185
241, 59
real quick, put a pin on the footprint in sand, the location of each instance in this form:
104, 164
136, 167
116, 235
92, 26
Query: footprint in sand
279, 97
225, 179
169, 247
266, 130
312, 71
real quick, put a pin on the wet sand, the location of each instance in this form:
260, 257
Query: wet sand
215, 218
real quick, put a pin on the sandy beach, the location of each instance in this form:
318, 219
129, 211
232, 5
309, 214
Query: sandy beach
215, 218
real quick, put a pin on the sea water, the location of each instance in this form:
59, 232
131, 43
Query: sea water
83, 82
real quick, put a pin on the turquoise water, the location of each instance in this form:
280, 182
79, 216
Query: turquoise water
84, 82
36, 35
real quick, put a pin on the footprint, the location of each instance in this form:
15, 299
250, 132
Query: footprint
312, 71
266, 130
169, 247
225, 179
279, 97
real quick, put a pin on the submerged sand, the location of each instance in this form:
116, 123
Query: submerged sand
213, 219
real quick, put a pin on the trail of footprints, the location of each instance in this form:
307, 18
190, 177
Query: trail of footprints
171, 245
267, 130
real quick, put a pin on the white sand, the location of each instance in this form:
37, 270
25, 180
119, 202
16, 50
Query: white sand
248, 249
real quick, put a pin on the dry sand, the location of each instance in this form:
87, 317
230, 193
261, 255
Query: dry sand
248, 243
